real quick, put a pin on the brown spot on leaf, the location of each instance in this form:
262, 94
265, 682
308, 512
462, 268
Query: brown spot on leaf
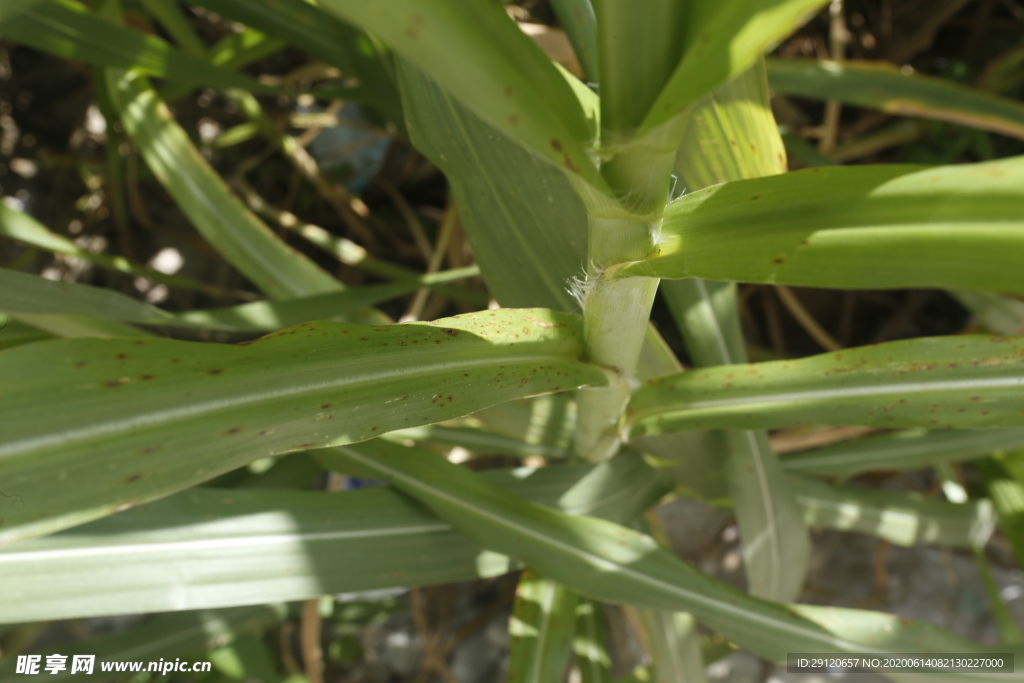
232, 430
215, 371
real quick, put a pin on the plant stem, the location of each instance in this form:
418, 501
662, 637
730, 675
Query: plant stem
616, 312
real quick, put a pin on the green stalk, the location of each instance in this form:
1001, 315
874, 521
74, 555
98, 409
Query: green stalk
616, 312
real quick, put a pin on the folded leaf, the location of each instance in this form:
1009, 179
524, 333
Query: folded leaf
939, 382
139, 419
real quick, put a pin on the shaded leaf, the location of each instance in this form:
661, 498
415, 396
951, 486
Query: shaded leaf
69, 29
616, 564
220, 547
540, 630
904, 450
886, 87
902, 518
245, 241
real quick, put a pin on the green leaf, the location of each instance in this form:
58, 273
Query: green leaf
221, 547
23, 228
969, 381
673, 642
776, 546
1006, 490
524, 221
886, 87
637, 52
12, 8
905, 519
540, 630
140, 419
721, 40
327, 39
615, 564
167, 636
904, 450
853, 227
76, 326
731, 134
69, 29
1000, 314
25, 293
476, 53
273, 315
580, 24
245, 241
590, 643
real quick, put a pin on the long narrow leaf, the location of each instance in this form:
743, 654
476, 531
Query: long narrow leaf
527, 227
722, 40
853, 227
938, 382
12, 8
905, 450
327, 39
167, 637
476, 53
886, 87
901, 518
69, 29
232, 229
619, 565
219, 547
540, 630
140, 419
273, 315
672, 640
25, 293
729, 135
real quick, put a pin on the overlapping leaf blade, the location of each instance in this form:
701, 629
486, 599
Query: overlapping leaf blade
616, 564
853, 227
25, 293
938, 382
69, 29
218, 547
540, 630
721, 40
902, 518
140, 419
903, 450
476, 54
730, 134
883, 86
244, 240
